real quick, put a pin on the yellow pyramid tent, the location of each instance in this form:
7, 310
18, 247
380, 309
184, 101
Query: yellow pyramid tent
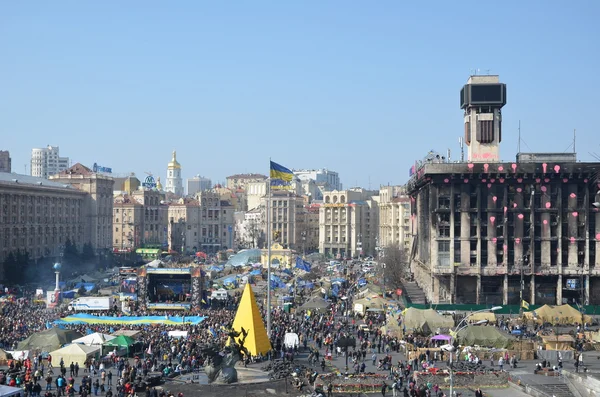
248, 317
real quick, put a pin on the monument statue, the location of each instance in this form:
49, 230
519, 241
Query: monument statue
220, 366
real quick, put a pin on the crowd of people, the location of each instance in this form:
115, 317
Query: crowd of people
319, 335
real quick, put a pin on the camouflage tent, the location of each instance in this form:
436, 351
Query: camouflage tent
484, 336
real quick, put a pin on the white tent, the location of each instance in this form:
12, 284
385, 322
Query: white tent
95, 339
76, 353
291, 340
154, 263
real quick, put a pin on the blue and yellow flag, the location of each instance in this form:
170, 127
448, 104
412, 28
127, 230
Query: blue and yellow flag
281, 177
525, 305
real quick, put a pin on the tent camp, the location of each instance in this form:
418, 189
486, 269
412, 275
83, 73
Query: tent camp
48, 340
484, 336
557, 315
76, 353
315, 303
95, 339
370, 291
482, 316
426, 320
558, 342
362, 305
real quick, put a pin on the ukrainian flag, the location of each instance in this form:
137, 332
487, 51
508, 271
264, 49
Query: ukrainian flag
281, 177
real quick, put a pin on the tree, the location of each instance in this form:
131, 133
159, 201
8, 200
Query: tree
87, 252
11, 268
70, 253
396, 266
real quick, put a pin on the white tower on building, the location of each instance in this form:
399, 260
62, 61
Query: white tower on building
174, 181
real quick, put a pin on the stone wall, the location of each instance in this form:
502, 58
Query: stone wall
464, 379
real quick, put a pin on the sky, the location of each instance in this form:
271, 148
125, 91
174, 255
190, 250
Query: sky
361, 88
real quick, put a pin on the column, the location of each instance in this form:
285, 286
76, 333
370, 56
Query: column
478, 291
572, 224
532, 290
586, 291
505, 291
518, 227
559, 290
453, 288
545, 255
465, 225
492, 222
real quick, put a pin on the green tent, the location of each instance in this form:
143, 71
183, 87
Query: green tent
48, 340
485, 336
425, 321
121, 341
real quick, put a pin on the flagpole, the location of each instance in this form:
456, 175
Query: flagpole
269, 233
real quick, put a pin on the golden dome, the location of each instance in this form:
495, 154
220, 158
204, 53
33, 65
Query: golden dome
174, 164
159, 186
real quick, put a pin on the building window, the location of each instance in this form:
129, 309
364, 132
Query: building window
443, 246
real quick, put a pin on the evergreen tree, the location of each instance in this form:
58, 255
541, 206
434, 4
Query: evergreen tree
87, 252
11, 268
70, 254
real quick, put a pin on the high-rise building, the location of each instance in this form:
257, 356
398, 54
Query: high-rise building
99, 201
174, 182
5, 161
47, 161
198, 184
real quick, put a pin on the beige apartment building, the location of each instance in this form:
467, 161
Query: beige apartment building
204, 223
395, 222
307, 228
286, 208
98, 202
348, 223
139, 220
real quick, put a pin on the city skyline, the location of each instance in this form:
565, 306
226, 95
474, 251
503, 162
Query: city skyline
315, 86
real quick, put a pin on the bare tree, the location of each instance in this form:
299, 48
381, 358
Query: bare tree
254, 233
396, 266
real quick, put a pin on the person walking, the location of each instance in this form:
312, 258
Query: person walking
384, 389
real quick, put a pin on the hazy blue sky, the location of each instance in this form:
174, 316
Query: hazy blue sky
363, 88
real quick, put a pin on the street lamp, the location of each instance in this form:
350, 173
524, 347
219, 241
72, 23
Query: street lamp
459, 327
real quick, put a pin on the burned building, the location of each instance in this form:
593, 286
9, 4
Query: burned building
490, 232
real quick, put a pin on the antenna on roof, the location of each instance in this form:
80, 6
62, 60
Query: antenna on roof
519, 143
462, 148
574, 139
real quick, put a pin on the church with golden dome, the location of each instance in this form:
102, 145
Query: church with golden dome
174, 183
